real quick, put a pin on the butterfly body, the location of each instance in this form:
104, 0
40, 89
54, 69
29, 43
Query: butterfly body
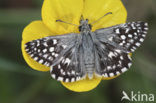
104, 52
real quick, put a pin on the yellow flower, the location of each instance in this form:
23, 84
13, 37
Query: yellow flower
71, 11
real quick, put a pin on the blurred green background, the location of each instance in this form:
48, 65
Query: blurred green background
21, 84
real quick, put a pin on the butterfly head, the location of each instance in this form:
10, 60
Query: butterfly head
84, 25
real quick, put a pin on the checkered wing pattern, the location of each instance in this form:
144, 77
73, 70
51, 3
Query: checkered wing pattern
60, 53
115, 44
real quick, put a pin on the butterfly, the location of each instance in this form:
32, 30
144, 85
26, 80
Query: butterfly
103, 53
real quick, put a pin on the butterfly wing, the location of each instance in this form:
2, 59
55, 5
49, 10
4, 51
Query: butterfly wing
127, 36
111, 61
70, 68
113, 46
60, 53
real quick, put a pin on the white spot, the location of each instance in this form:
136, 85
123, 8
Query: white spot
51, 49
127, 30
121, 44
114, 66
39, 50
56, 55
117, 50
115, 53
121, 57
60, 78
145, 28
63, 73
145, 32
117, 31
61, 70
132, 50
29, 52
111, 54
105, 75
38, 43
117, 73
135, 33
35, 49
131, 40
138, 25
32, 55
53, 75
129, 65
143, 35
120, 62
53, 53
45, 44
124, 69
138, 31
123, 37
139, 28
36, 58
108, 67
41, 61
78, 78
137, 44
32, 43
135, 37
110, 39
68, 73
45, 50
73, 72
129, 57
146, 24
73, 79
45, 55
54, 41
130, 35
64, 46
59, 66
63, 60
141, 39
111, 74
48, 64
67, 80
40, 54
128, 44
50, 58
133, 27
67, 61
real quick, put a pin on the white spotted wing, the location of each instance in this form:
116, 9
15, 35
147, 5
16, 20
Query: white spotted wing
60, 53
114, 45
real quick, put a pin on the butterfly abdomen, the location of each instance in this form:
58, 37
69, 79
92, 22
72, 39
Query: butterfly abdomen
88, 55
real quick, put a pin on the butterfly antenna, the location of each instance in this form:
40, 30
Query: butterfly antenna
102, 17
66, 22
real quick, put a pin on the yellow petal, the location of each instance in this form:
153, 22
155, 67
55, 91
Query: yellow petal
94, 9
65, 10
33, 31
83, 85
70, 11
